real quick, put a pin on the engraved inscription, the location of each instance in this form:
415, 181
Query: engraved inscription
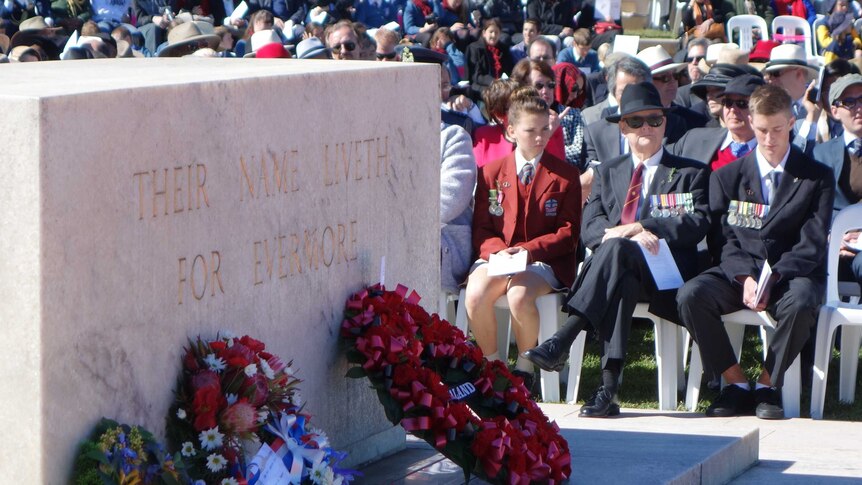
297, 253
268, 175
355, 160
171, 190
199, 275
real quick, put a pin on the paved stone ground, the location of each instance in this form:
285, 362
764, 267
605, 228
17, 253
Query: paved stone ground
648, 446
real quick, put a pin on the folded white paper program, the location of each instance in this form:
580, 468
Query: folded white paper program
502, 264
663, 267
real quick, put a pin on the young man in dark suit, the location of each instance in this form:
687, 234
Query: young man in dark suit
774, 205
844, 155
638, 199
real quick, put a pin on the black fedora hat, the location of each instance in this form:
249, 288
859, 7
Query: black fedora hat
743, 85
642, 96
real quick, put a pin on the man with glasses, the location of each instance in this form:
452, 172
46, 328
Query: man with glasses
844, 155
788, 68
639, 202
342, 41
666, 75
772, 206
542, 50
695, 53
719, 146
386, 41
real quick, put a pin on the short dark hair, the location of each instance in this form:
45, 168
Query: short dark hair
534, 21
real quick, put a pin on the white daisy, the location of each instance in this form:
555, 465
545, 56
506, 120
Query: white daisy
230, 398
229, 481
215, 363
216, 462
318, 473
251, 369
211, 439
188, 449
181, 413
267, 370
321, 439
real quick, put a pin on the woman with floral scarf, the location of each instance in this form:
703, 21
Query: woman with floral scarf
487, 59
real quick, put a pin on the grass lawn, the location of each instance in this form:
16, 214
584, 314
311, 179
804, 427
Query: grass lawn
640, 377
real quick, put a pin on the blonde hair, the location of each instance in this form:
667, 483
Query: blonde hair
768, 100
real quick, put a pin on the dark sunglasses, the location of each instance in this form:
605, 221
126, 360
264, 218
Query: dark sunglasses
849, 103
694, 59
730, 103
388, 55
550, 85
666, 78
348, 46
636, 122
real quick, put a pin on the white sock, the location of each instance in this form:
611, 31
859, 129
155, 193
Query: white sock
743, 385
524, 365
493, 357
761, 386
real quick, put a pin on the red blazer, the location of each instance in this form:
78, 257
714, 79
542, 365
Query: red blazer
552, 218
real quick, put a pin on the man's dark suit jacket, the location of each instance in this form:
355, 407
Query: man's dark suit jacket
794, 233
699, 144
673, 175
833, 154
602, 138
597, 87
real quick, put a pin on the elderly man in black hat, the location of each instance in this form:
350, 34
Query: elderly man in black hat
640, 201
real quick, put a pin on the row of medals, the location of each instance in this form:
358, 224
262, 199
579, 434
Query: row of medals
671, 205
746, 214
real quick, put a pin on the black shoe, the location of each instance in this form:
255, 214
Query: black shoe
768, 401
732, 401
529, 380
550, 356
602, 404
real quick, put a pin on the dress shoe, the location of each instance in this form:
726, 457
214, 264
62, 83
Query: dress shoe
768, 401
731, 401
551, 356
602, 404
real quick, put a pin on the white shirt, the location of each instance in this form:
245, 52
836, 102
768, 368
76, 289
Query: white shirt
765, 169
849, 138
520, 161
650, 166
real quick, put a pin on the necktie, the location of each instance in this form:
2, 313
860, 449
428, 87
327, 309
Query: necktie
774, 179
856, 147
738, 149
630, 209
526, 174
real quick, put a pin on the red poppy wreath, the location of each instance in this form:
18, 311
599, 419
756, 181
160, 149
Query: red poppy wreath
436, 384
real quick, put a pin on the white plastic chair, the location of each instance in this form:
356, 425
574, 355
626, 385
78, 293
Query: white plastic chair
668, 353
675, 20
834, 314
746, 25
550, 319
785, 29
735, 323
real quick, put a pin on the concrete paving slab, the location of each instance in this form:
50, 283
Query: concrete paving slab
644, 447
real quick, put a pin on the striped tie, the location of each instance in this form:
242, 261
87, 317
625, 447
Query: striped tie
630, 209
526, 174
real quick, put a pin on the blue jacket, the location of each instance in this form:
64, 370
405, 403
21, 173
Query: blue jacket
591, 60
374, 16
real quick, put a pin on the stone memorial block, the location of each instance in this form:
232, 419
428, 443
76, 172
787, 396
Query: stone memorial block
146, 201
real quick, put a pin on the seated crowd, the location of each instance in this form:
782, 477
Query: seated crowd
581, 159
